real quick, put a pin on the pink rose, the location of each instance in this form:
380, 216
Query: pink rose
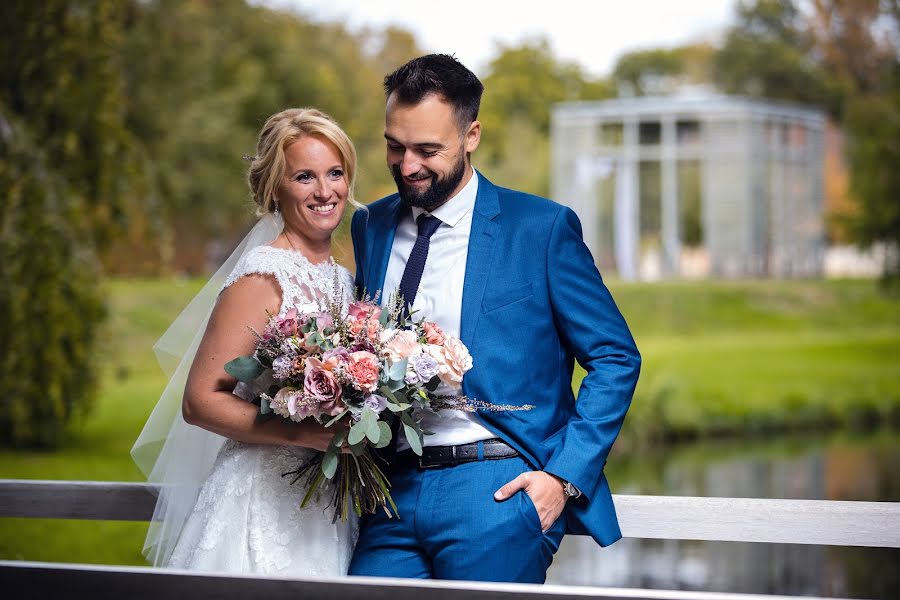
364, 310
433, 333
453, 361
332, 359
323, 387
399, 344
323, 320
363, 369
288, 324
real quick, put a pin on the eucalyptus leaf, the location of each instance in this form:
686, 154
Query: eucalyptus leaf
368, 417
407, 419
330, 464
357, 433
385, 437
337, 417
389, 393
357, 450
339, 436
373, 433
412, 436
398, 370
244, 368
264, 407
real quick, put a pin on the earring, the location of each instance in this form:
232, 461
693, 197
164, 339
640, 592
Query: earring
277, 212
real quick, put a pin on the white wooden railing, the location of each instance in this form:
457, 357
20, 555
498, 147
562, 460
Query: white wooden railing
873, 524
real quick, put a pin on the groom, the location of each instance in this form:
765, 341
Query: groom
507, 272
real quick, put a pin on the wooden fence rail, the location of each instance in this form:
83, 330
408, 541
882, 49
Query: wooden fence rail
54, 580
875, 524
826, 522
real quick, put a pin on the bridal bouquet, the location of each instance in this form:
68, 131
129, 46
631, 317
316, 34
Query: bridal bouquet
367, 367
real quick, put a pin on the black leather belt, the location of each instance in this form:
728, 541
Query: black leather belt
448, 456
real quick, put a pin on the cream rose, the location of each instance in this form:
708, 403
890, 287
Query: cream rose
453, 361
402, 344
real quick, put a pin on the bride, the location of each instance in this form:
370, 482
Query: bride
223, 505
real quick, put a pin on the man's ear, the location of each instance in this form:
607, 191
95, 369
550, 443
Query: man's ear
473, 136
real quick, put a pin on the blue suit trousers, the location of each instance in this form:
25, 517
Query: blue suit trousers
450, 527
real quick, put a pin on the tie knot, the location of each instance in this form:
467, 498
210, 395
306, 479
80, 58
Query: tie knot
428, 224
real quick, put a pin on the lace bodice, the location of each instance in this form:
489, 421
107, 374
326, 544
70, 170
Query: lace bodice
304, 285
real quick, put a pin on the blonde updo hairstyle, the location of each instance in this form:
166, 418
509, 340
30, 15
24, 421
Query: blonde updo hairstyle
282, 129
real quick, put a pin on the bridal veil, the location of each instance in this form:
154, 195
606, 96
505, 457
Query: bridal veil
174, 455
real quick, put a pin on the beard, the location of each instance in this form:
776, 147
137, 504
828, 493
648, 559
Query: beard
435, 194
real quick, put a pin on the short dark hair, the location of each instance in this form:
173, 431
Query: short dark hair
440, 74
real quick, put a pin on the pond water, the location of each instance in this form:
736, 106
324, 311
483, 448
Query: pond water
839, 467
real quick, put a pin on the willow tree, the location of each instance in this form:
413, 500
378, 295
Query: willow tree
67, 174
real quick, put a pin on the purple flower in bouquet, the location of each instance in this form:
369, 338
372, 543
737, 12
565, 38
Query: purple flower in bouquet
322, 386
375, 402
363, 346
283, 366
424, 366
289, 347
335, 356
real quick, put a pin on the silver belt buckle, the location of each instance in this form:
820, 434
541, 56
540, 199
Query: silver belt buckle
424, 465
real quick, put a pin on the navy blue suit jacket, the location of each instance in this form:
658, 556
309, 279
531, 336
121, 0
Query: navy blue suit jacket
533, 303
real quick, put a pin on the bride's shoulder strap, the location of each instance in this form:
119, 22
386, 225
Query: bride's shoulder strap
262, 260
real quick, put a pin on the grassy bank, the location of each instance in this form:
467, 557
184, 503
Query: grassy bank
738, 358
719, 359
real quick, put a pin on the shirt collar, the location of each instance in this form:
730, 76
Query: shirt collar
453, 210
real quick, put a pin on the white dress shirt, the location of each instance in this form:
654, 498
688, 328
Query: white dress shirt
439, 299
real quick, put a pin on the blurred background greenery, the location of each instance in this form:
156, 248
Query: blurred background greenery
122, 125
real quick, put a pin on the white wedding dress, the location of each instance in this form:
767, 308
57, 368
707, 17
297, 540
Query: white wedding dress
247, 518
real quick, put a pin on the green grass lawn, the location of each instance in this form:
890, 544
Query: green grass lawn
720, 358
726, 358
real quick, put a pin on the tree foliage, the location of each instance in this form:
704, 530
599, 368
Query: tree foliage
842, 55
49, 304
68, 170
522, 84
765, 54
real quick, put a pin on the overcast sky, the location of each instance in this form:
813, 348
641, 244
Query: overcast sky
592, 33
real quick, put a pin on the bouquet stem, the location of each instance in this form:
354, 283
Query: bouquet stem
358, 484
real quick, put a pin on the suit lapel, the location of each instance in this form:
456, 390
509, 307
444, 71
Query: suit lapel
482, 239
382, 236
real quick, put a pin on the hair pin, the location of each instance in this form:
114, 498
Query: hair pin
248, 158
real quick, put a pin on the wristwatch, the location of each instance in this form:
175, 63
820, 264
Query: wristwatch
570, 490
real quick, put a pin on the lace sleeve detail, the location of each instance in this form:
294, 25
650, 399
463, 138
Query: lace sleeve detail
304, 285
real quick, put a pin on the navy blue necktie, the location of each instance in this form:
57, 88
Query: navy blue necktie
412, 274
